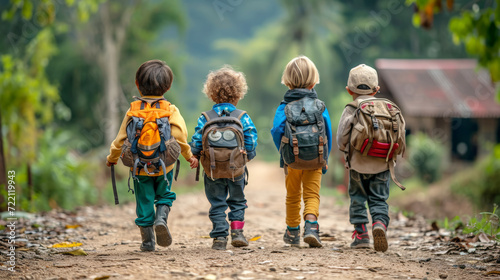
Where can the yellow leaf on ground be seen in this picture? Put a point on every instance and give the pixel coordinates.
(205, 236)
(102, 277)
(78, 252)
(66, 245)
(255, 238)
(72, 226)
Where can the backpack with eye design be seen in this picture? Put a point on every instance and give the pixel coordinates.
(223, 154)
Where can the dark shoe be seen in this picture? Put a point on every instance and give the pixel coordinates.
(163, 236)
(237, 237)
(219, 243)
(361, 240)
(379, 237)
(292, 237)
(311, 234)
(148, 239)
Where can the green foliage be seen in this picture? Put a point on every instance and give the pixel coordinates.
(45, 10)
(480, 183)
(453, 224)
(426, 157)
(28, 100)
(488, 224)
(476, 27)
(479, 30)
(61, 177)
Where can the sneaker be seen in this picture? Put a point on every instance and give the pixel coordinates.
(219, 243)
(292, 237)
(361, 240)
(379, 237)
(311, 234)
(237, 237)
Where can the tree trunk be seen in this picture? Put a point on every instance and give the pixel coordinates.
(3, 170)
(30, 187)
(112, 89)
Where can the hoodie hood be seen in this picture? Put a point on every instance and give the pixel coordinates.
(298, 93)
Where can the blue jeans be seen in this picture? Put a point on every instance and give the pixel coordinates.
(217, 193)
(371, 188)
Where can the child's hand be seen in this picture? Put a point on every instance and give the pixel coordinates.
(193, 162)
(110, 163)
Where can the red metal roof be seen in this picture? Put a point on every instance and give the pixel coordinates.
(439, 87)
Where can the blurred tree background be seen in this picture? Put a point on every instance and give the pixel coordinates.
(68, 66)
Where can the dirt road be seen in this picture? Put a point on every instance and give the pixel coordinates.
(111, 240)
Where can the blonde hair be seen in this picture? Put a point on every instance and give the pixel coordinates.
(225, 85)
(300, 72)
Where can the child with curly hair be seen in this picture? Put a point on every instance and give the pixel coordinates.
(224, 140)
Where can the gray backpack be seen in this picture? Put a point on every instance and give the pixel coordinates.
(304, 145)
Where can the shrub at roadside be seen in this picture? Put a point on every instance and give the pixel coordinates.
(425, 157)
(481, 182)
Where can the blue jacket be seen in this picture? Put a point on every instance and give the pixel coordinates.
(279, 118)
(249, 131)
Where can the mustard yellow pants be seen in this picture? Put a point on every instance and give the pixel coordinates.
(301, 184)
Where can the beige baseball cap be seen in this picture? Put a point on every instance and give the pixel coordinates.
(362, 79)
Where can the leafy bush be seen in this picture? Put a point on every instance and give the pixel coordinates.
(488, 224)
(60, 178)
(480, 183)
(426, 156)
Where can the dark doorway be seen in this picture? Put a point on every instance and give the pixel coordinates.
(464, 138)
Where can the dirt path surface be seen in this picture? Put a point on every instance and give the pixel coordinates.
(111, 241)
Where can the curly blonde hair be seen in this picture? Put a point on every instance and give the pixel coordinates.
(225, 85)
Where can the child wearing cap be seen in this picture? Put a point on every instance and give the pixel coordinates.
(368, 175)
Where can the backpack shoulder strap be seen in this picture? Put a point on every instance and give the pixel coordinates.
(354, 104)
(210, 115)
(237, 113)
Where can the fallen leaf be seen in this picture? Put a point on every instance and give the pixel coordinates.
(66, 245)
(255, 238)
(22, 249)
(205, 236)
(72, 226)
(102, 277)
(492, 272)
(435, 226)
(79, 252)
(483, 237)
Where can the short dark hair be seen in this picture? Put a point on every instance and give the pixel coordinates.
(154, 77)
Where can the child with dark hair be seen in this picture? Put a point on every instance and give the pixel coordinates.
(153, 79)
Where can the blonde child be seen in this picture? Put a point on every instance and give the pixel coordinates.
(303, 166)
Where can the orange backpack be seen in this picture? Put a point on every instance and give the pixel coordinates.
(149, 144)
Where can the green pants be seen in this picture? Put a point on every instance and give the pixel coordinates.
(151, 191)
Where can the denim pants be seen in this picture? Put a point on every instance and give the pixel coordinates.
(371, 188)
(151, 191)
(217, 192)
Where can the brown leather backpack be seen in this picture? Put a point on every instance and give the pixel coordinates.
(223, 154)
